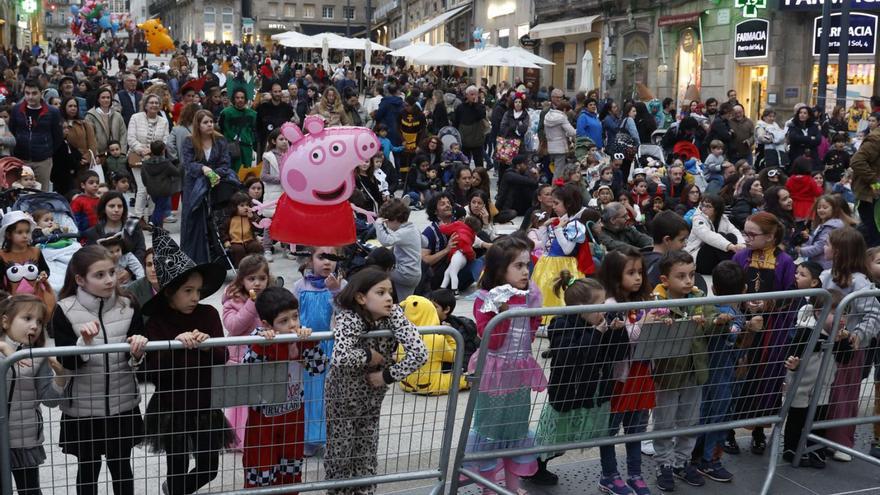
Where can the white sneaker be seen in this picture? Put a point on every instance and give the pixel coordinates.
(289, 255)
(268, 256)
(841, 456)
(648, 448)
(170, 218)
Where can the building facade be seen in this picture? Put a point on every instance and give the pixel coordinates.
(401, 22)
(345, 17)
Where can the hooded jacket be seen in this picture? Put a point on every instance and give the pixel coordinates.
(804, 192)
(390, 109)
(704, 232)
(814, 248)
(28, 388)
(588, 125)
(557, 130)
(866, 166)
(35, 141)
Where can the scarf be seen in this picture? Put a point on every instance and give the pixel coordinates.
(763, 260)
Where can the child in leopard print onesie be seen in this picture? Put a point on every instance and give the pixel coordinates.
(354, 400)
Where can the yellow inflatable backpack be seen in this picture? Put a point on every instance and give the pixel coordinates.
(430, 379)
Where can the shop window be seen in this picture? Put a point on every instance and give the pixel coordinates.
(327, 12)
(690, 60)
(859, 83)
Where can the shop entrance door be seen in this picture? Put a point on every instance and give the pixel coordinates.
(751, 88)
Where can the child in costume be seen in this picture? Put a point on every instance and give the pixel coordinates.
(24, 320)
(510, 372)
(567, 245)
(238, 234)
(180, 421)
(583, 351)
(623, 274)
(85, 204)
(273, 444)
(463, 251)
(315, 291)
(101, 416)
(22, 266)
(240, 318)
(435, 377)
(361, 371)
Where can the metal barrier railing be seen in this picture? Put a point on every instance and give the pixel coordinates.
(413, 440)
(719, 378)
(841, 401)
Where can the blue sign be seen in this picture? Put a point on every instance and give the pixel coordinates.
(862, 34)
(817, 4)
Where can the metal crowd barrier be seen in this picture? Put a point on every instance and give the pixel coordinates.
(850, 396)
(413, 440)
(508, 419)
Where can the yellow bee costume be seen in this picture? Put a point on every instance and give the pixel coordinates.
(430, 379)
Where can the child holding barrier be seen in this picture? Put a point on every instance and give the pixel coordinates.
(583, 351)
(33, 382)
(361, 371)
(622, 273)
(273, 444)
(679, 379)
(510, 372)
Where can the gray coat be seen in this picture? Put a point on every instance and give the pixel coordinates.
(29, 387)
(406, 242)
(174, 141)
(116, 131)
(101, 384)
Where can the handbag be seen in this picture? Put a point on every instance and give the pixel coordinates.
(506, 149)
(134, 159)
(234, 149)
(96, 167)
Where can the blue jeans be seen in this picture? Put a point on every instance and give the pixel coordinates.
(161, 210)
(633, 422)
(715, 408)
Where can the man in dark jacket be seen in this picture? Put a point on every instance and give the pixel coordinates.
(271, 115)
(517, 187)
(389, 112)
(37, 130)
(468, 119)
(865, 164)
(129, 98)
(720, 129)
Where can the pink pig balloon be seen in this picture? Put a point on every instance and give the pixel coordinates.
(317, 168)
(317, 175)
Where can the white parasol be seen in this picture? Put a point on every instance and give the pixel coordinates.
(442, 54)
(587, 71)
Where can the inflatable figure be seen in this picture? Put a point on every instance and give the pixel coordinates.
(157, 37)
(430, 379)
(317, 178)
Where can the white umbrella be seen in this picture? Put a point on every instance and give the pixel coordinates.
(442, 54)
(368, 53)
(338, 42)
(294, 39)
(527, 55)
(587, 71)
(413, 50)
(325, 54)
(497, 57)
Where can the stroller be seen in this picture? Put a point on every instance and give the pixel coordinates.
(56, 257)
(448, 136)
(216, 202)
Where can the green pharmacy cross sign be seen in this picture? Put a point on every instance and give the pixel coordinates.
(750, 7)
(29, 6)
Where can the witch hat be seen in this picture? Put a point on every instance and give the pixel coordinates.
(173, 265)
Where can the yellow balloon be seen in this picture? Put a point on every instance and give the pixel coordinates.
(156, 35)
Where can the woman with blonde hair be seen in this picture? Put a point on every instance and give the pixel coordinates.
(146, 126)
(204, 160)
(330, 107)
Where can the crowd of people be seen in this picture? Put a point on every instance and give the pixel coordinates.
(621, 202)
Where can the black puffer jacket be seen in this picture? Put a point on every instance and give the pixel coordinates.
(582, 363)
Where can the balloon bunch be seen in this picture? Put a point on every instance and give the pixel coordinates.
(477, 38)
(90, 20)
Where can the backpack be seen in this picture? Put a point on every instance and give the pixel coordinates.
(468, 330)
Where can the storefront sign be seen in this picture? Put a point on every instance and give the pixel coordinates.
(527, 42)
(678, 19)
(817, 4)
(751, 39)
(862, 34)
(791, 92)
(750, 7)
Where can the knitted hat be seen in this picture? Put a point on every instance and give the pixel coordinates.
(27, 172)
(173, 265)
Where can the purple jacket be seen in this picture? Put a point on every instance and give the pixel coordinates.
(785, 268)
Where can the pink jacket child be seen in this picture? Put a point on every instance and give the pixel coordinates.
(317, 178)
(240, 319)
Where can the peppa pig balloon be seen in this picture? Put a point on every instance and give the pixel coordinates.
(317, 175)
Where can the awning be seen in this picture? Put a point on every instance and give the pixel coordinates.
(356, 30)
(408, 37)
(673, 20)
(558, 29)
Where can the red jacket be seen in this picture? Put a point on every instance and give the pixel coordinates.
(804, 191)
(466, 238)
